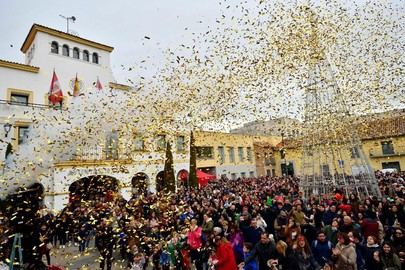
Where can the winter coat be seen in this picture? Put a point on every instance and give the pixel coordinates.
(252, 265)
(263, 252)
(251, 234)
(194, 238)
(331, 234)
(278, 227)
(207, 226)
(322, 251)
(301, 261)
(328, 217)
(237, 246)
(298, 217)
(346, 260)
(370, 227)
(391, 262)
(164, 258)
(225, 257)
(360, 261)
(369, 254)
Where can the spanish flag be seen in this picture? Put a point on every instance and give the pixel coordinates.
(55, 91)
(98, 85)
(76, 87)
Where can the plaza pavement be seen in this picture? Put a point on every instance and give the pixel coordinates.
(69, 258)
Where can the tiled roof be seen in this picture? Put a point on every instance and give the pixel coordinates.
(19, 66)
(382, 127)
(37, 27)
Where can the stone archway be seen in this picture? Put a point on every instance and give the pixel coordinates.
(140, 183)
(160, 181)
(93, 187)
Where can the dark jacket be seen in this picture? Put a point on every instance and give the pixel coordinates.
(368, 256)
(391, 261)
(301, 261)
(105, 240)
(328, 217)
(250, 234)
(322, 251)
(263, 253)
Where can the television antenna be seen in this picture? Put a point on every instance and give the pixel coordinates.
(72, 18)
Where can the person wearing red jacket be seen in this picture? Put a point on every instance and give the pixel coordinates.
(370, 226)
(195, 243)
(223, 259)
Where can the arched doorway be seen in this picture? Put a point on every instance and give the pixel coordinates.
(182, 178)
(140, 183)
(160, 181)
(94, 187)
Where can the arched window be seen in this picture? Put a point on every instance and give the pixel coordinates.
(76, 53)
(95, 58)
(54, 47)
(86, 55)
(65, 50)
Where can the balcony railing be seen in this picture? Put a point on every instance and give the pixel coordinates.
(23, 109)
(95, 153)
(27, 104)
(378, 152)
(270, 161)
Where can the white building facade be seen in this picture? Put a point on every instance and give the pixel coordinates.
(25, 89)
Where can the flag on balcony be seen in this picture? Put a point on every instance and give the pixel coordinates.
(55, 91)
(98, 85)
(76, 87)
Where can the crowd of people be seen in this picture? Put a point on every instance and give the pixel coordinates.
(255, 223)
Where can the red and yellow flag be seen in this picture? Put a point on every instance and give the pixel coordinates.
(98, 85)
(55, 91)
(76, 87)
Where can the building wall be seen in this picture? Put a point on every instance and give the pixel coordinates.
(226, 140)
(371, 148)
(66, 67)
(373, 151)
(57, 190)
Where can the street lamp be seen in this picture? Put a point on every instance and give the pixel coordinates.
(282, 155)
(7, 128)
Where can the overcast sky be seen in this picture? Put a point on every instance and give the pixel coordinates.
(122, 24)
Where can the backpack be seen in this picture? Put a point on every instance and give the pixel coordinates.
(316, 244)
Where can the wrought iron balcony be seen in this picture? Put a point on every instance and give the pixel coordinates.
(24, 106)
(270, 161)
(377, 153)
(95, 155)
(90, 153)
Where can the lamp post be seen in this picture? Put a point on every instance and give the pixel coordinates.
(282, 155)
(7, 128)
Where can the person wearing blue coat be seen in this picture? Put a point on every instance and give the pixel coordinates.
(322, 249)
(247, 250)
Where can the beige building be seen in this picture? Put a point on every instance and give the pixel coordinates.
(283, 126)
(383, 143)
(225, 154)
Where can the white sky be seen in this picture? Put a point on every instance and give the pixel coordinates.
(122, 24)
